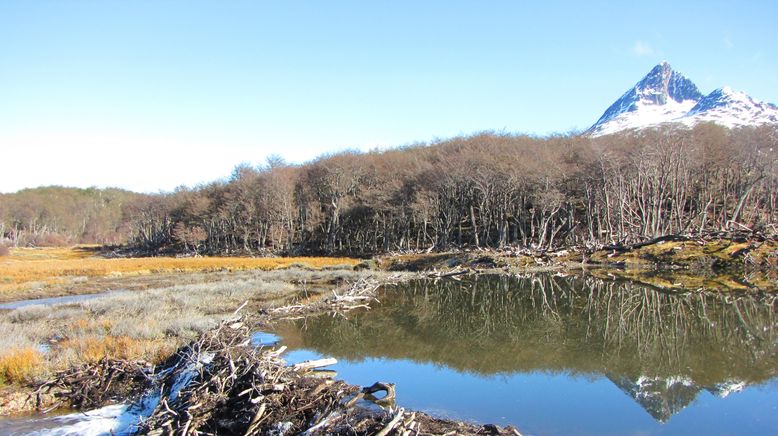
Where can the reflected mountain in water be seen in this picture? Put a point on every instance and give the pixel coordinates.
(722, 390)
(660, 397)
(661, 349)
(664, 397)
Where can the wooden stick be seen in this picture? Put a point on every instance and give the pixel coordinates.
(241, 307)
(313, 364)
(392, 424)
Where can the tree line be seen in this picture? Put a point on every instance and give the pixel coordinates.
(55, 215)
(485, 190)
(490, 190)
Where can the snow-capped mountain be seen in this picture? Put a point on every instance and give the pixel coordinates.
(667, 96)
(732, 109)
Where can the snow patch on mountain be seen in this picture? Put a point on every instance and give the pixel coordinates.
(732, 109)
(644, 115)
(724, 389)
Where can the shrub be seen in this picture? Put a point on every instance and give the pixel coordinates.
(50, 240)
(29, 313)
(19, 365)
(4, 250)
(92, 348)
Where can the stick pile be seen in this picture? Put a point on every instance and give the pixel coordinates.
(358, 295)
(244, 390)
(93, 385)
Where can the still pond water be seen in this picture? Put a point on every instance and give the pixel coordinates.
(561, 355)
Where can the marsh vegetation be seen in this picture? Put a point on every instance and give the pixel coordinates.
(146, 323)
(44, 272)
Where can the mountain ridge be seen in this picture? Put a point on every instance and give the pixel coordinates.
(666, 96)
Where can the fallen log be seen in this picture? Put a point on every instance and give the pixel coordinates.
(309, 365)
(446, 274)
(666, 238)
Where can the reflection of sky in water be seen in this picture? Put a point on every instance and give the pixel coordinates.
(546, 403)
(263, 339)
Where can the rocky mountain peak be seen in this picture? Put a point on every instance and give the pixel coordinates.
(662, 83)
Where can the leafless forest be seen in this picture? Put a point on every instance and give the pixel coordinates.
(484, 190)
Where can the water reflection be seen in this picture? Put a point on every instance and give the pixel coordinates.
(660, 349)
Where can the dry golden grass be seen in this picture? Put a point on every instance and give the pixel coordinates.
(53, 253)
(92, 348)
(83, 325)
(27, 268)
(152, 322)
(19, 365)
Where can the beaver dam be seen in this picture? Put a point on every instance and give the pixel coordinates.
(549, 354)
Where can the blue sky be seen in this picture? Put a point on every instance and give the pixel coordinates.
(148, 95)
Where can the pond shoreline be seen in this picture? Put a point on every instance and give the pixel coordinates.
(671, 264)
(711, 263)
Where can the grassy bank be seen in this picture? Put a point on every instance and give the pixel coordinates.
(45, 272)
(161, 303)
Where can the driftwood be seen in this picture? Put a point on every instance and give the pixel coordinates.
(358, 295)
(309, 365)
(388, 400)
(624, 248)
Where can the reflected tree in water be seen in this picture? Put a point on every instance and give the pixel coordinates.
(660, 348)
